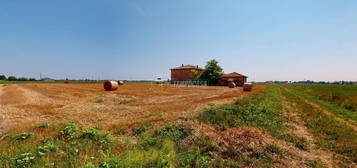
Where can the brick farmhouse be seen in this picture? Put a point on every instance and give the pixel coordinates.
(184, 73)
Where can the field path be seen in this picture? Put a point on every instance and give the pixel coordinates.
(324, 131)
(350, 123)
(300, 130)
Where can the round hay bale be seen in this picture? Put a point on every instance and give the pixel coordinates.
(120, 83)
(248, 87)
(231, 85)
(110, 85)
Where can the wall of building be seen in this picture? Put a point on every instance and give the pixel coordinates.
(239, 81)
(181, 74)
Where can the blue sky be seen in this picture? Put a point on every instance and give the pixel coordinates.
(142, 39)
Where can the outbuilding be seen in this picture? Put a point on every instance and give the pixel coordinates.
(47, 79)
(235, 77)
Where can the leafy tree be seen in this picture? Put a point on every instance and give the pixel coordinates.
(212, 72)
(11, 78)
(2, 77)
(195, 75)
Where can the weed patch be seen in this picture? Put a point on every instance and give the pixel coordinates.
(99, 101)
(262, 110)
(45, 125)
(24, 136)
(298, 142)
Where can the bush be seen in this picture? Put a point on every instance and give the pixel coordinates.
(90, 133)
(24, 136)
(148, 142)
(175, 133)
(70, 130)
(24, 160)
(97, 135)
(47, 148)
(139, 130)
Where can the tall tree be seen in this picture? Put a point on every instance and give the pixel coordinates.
(212, 72)
(195, 75)
(11, 78)
(2, 77)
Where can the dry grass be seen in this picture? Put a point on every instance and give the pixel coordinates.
(133, 103)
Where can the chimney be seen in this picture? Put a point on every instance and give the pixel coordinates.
(197, 66)
(182, 65)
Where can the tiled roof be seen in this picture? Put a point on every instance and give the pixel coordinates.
(233, 74)
(188, 67)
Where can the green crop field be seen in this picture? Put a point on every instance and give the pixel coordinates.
(279, 126)
(341, 99)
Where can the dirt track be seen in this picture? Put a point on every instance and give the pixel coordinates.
(28, 104)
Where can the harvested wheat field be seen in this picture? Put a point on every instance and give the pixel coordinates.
(88, 104)
(162, 125)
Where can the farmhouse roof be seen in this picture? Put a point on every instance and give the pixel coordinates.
(188, 67)
(233, 74)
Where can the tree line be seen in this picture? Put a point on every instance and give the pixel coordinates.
(13, 78)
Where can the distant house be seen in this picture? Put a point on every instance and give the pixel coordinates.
(235, 77)
(184, 72)
(47, 79)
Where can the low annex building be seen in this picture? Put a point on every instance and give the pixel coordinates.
(235, 77)
(183, 72)
(47, 79)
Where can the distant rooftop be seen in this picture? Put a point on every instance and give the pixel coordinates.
(233, 74)
(188, 67)
(47, 79)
